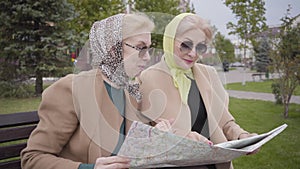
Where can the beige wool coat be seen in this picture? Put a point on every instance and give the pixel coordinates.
(161, 99)
(78, 124)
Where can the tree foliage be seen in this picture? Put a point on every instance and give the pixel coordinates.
(286, 60)
(33, 41)
(262, 55)
(224, 48)
(89, 11)
(161, 12)
(250, 20)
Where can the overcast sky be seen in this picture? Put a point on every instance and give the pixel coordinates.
(218, 14)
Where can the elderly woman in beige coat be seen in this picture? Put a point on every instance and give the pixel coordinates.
(84, 117)
(186, 96)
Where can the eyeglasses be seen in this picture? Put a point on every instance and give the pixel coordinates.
(187, 46)
(142, 50)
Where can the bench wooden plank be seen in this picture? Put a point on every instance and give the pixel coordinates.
(257, 74)
(11, 151)
(16, 133)
(14, 128)
(15, 164)
(16, 119)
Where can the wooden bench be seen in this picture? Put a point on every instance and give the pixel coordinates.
(15, 129)
(257, 74)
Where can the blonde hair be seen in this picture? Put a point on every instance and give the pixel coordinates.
(194, 22)
(135, 24)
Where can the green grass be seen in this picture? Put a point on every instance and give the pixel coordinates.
(283, 151)
(263, 86)
(11, 105)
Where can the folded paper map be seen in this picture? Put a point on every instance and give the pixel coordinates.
(149, 147)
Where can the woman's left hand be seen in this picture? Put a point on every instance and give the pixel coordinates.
(166, 125)
(246, 135)
(198, 137)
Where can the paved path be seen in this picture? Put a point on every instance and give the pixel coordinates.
(258, 96)
(240, 75)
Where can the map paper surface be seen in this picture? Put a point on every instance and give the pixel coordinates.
(149, 147)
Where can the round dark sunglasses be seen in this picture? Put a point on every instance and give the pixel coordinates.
(142, 50)
(187, 46)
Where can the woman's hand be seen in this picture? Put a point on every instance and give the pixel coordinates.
(198, 137)
(112, 162)
(164, 124)
(246, 135)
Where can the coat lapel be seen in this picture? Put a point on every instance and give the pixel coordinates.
(214, 104)
(98, 116)
(111, 119)
(203, 82)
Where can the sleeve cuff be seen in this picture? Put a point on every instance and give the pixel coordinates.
(86, 166)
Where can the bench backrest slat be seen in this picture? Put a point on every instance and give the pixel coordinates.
(16, 133)
(11, 150)
(14, 128)
(11, 164)
(16, 119)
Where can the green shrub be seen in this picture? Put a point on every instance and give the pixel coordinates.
(18, 90)
(276, 91)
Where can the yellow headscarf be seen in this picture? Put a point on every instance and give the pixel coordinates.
(179, 75)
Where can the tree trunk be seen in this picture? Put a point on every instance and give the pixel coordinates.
(244, 62)
(38, 83)
(286, 103)
(286, 110)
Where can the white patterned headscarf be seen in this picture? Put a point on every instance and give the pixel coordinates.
(106, 52)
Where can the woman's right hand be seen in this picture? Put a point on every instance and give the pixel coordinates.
(164, 124)
(112, 162)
